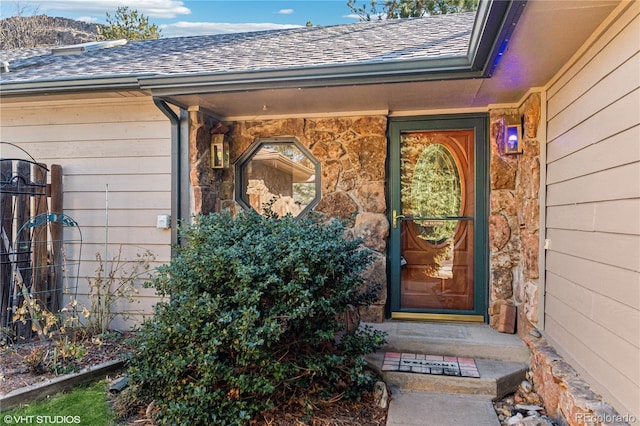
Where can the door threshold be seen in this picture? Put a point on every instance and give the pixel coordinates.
(417, 316)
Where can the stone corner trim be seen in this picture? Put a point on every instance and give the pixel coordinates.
(565, 394)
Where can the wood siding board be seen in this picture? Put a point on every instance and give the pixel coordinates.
(579, 217)
(621, 31)
(618, 284)
(116, 166)
(55, 151)
(622, 320)
(609, 348)
(609, 55)
(618, 117)
(89, 113)
(89, 250)
(119, 183)
(614, 86)
(618, 250)
(615, 387)
(620, 149)
(149, 235)
(614, 184)
(579, 297)
(621, 217)
(119, 217)
(118, 201)
(80, 132)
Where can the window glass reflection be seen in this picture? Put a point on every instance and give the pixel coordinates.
(280, 174)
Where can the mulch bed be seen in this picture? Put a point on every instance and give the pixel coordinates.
(15, 374)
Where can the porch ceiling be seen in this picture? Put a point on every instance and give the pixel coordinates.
(547, 35)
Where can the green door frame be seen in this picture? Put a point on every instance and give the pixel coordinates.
(479, 123)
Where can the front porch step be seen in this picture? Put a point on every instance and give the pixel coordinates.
(497, 378)
(460, 340)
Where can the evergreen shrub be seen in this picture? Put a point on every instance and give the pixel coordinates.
(252, 320)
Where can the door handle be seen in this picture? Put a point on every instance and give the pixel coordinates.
(394, 218)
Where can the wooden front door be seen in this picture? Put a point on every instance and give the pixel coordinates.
(435, 211)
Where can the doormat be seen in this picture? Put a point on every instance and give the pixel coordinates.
(430, 364)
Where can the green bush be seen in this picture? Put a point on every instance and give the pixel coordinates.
(253, 320)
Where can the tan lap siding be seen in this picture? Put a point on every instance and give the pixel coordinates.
(592, 308)
(124, 144)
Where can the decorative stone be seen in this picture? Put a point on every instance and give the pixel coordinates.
(372, 313)
(494, 312)
(501, 284)
(270, 128)
(526, 407)
(506, 259)
(204, 200)
(335, 151)
(372, 125)
(503, 174)
(330, 176)
(369, 154)
(380, 394)
(332, 126)
(515, 419)
(530, 250)
(531, 302)
(337, 204)
(499, 231)
(348, 179)
(372, 197)
(532, 116)
(526, 386)
(319, 150)
(535, 420)
(503, 200)
(373, 228)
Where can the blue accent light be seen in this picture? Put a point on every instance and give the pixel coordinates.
(506, 34)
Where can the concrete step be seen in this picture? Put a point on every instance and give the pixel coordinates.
(410, 408)
(497, 378)
(461, 340)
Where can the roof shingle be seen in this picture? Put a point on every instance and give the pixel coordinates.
(360, 43)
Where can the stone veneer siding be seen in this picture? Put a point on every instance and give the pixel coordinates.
(352, 152)
(514, 215)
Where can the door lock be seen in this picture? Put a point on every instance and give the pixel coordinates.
(394, 218)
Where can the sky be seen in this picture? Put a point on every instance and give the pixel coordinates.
(196, 17)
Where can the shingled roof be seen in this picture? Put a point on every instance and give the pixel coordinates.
(387, 41)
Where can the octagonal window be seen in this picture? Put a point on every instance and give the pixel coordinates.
(280, 172)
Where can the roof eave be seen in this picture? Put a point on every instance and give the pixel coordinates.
(341, 75)
(130, 82)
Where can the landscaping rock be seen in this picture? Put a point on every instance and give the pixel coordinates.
(119, 384)
(381, 394)
(529, 407)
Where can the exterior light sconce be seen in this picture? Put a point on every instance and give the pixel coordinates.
(512, 137)
(219, 152)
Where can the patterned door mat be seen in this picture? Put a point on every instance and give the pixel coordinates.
(430, 364)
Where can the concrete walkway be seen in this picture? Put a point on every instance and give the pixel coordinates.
(440, 409)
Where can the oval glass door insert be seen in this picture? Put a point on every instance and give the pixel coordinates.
(436, 194)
